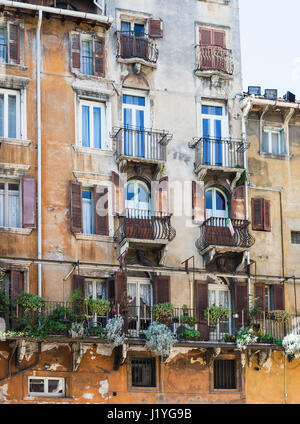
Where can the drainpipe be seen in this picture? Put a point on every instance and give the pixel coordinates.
(100, 6)
(39, 142)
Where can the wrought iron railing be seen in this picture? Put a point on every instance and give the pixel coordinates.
(220, 152)
(216, 232)
(141, 143)
(214, 58)
(132, 46)
(144, 224)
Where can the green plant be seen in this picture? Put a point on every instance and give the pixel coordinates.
(229, 338)
(215, 314)
(99, 306)
(255, 309)
(4, 303)
(279, 316)
(191, 321)
(190, 334)
(242, 180)
(163, 313)
(265, 338)
(78, 303)
(96, 332)
(62, 313)
(244, 337)
(30, 302)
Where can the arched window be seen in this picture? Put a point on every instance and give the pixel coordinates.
(138, 201)
(216, 203)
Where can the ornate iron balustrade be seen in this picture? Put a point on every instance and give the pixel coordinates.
(214, 58)
(143, 224)
(141, 143)
(132, 46)
(216, 232)
(222, 152)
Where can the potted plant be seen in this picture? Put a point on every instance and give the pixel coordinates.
(188, 320)
(159, 339)
(279, 316)
(163, 313)
(190, 334)
(229, 338)
(98, 332)
(214, 314)
(185, 310)
(76, 330)
(99, 306)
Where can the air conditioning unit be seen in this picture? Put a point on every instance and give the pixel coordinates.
(252, 89)
(289, 97)
(271, 94)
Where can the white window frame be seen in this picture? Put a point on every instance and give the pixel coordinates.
(6, 182)
(217, 288)
(138, 282)
(92, 217)
(273, 130)
(7, 93)
(46, 393)
(267, 298)
(91, 104)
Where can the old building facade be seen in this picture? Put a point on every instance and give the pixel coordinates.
(134, 170)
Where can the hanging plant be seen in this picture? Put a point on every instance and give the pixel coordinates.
(114, 331)
(245, 337)
(30, 302)
(291, 345)
(215, 314)
(163, 313)
(159, 339)
(279, 316)
(99, 306)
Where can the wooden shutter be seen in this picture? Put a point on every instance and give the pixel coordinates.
(75, 207)
(78, 283)
(163, 205)
(155, 28)
(219, 38)
(75, 53)
(101, 210)
(241, 304)
(28, 202)
(121, 296)
(17, 283)
(257, 212)
(198, 201)
(162, 289)
(13, 43)
(238, 204)
(118, 194)
(111, 289)
(267, 215)
(278, 297)
(259, 291)
(98, 56)
(201, 304)
(206, 37)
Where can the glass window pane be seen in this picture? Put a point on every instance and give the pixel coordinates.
(275, 143)
(208, 199)
(145, 294)
(266, 142)
(87, 212)
(13, 208)
(130, 192)
(1, 115)
(2, 206)
(97, 127)
(85, 126)
(55, 386)
(131, 291)
(220, 202)
(87, 57)
(125, 26)
(224, 298)
(212, 110)
(36, 386)
(3, 45)
(139, 30)
(12, 117)
(100, 289)
(133, 100)
(211, 297)
(142, 194)
(88, 289)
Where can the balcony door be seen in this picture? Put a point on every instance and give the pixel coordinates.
(134, 120)
(219, 295)
(216, 204)
(140, 292)
(215, 150)
(133, 40)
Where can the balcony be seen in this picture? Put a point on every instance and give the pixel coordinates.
(213, 59)
(136, 49)
(144, 146)
(145, 229)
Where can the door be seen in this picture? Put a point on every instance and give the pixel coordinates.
(217, 230)
(215, 150)
(134, 108)
(141, 298)
(219, 295)
(96, 289)
(138, 222)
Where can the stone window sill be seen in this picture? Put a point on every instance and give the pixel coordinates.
(92, 150)
(20, 231)
(272, 156)
(15, 141)
(137, 60)
(94, 237)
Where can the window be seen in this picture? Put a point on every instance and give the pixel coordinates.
(87, 54)
(273, 142)
(44, 386)
(88, 211)
(219, 295)
(295, 237)
(140, 293)
(95, 289)
(143, 372)
(92, 124)
(10, 207)
(137, 200)
(261, 214)
(216, 205)
(9, 43)
(267, 299)
(225, 374)
(9, 114)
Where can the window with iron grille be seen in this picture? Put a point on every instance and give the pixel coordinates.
(295, 236)
(225, 374)
(143, 372)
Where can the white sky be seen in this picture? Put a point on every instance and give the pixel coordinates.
(270, 42)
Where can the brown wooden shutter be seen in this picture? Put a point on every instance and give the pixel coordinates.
(162, 289)
(257, 212)
(278, 297)
(238, 204)
(267, 215)
(78, 283)
(260, 293)
(111, 289)
(198, 201)
(241, 304)
(121, 296)
(219, 38)
(75, 53)
(17, 283)
(75, 207)
(101, 210)
(164, 195)
(13, 43)
(206, 37)
(118, 194)
(28, 202)
(201, 304)
(155, 28)
(98, 56)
